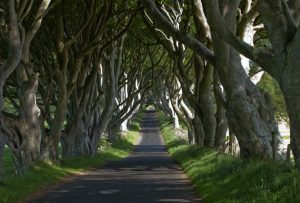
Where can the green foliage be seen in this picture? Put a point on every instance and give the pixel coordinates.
(104, 142)
(42, 175)
(218, 177)
(134, 124)
(269, 85)
(9, 108)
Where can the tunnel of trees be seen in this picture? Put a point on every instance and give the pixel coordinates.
(72, 71)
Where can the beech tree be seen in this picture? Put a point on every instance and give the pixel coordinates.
(79, 66)
(73, 71)
(23, 131)
(281, 22)
(132, 86)
(249, 111)
(9, 27)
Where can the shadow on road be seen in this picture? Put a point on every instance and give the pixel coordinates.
(148, 175)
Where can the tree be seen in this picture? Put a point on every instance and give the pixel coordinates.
(23, 132)
(249, 110)
(281, 62)
(12, 60)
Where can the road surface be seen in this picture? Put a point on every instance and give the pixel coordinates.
(147, 175)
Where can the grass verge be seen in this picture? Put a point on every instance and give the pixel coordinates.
(42, 175)
(218, 177)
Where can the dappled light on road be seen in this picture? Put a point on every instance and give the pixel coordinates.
(148, 175)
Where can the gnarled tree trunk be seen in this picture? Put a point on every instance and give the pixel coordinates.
(222, 124)
(249, 110)
(206, 99)
(289, 82)
(25, 133)
(284, 34)
(13, 59)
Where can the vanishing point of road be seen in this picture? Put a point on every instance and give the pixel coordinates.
(147, 175)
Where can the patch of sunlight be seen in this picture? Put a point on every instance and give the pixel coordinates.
(108, 192)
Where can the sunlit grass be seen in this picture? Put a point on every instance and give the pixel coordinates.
(218, 177)
(286, 137)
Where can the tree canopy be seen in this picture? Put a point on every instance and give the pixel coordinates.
(74, 71)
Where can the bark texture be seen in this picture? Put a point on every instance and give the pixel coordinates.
(284, 64)
(249, 111)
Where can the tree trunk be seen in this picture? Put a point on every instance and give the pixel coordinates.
(29, 112)
(6, 69)
(290, 85)
(25, 133)
(174, 115)
(194, 99)
(58, 120)
(68, 145)
(208, 106)
(198, 131)
(249, 111)
(3, 141)
(123, 97)
(231, 143)
(123, 127)
(29, 122)
(74, 141)
(111, 76)
(46, 144)
(283, 65)
(189, 122)
(222, 125)
(80, 139)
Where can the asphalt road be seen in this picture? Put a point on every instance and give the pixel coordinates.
(148, 175)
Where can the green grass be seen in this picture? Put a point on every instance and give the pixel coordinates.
(7, 163)
(218, 177)
(134, 124)
(286, 137)
(41, 175)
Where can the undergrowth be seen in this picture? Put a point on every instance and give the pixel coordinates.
(219, 177)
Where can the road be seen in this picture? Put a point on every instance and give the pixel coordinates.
(147, 175)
